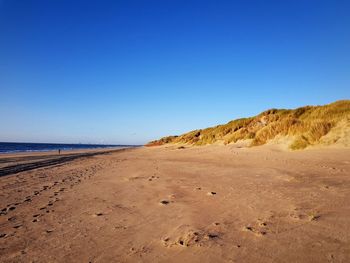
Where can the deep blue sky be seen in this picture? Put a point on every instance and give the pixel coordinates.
(132, 71)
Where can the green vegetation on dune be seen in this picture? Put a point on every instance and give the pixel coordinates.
(305, 126)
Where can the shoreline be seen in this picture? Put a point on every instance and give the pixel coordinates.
(13, 163)
(46, 151)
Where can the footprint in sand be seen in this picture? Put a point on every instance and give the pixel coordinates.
(7, 209)
(314, 217)
(3, 211)
(311, 216)
(11, 208)
(190, 238)
(254, 231)
(36, 218)
(11, 219)
(153, 177)
(98, 214)
(28, 199)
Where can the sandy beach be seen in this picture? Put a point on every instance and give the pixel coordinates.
(165, 204)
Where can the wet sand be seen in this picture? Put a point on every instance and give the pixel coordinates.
(164, 204)
(15, 163)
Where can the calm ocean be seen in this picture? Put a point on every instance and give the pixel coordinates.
(12, 147)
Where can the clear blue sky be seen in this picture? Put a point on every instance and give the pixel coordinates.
(131, 71)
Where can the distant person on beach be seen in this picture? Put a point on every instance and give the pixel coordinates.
(59, 151)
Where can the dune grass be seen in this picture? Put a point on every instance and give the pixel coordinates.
(305, 125)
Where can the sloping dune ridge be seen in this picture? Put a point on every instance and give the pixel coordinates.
(298, 128)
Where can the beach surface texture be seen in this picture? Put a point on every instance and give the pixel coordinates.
(178, 204)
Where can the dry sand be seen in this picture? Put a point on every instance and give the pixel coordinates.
(164, 204)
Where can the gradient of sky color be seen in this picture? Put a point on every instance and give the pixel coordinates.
(130, 71)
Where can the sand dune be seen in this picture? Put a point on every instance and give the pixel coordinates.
(197, 204)
(299, 128)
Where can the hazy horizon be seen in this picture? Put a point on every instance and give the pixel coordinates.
(129, 72)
